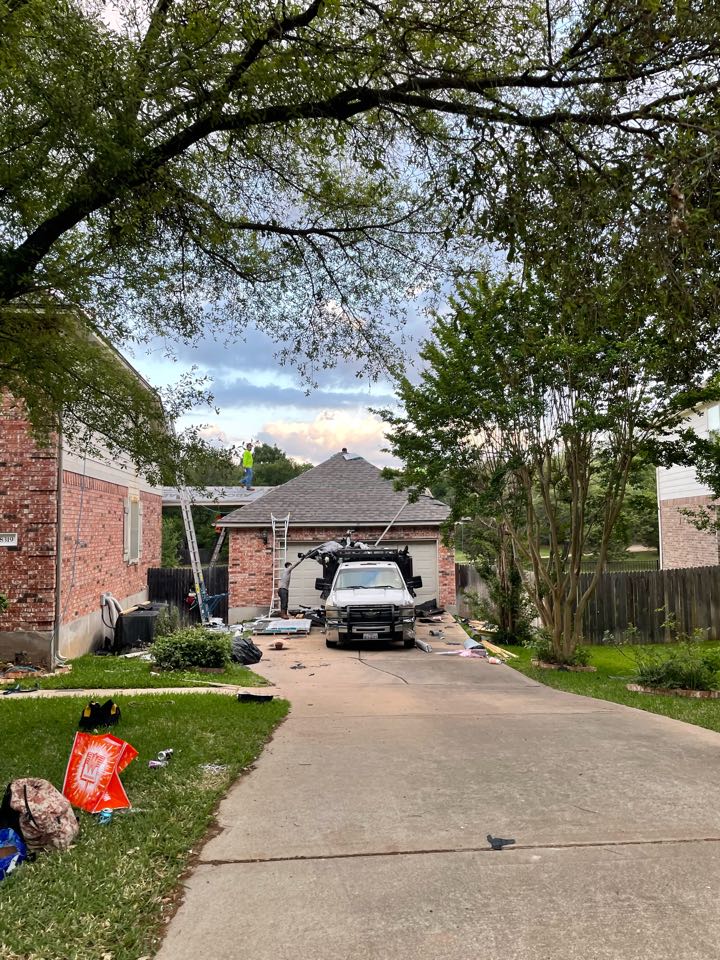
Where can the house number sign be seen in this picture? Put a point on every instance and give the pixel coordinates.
(8, 539)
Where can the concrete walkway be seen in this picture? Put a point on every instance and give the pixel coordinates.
(361, 832)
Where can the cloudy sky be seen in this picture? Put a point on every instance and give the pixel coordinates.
(260, 400)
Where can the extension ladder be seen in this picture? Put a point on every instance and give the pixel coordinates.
(200, 589)
(218, 546)
(279, 556)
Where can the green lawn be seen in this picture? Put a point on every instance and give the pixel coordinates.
(91, 672)
(106, 897)
(615, 668)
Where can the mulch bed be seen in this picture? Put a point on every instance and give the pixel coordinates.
(675, 692)
(542, 665)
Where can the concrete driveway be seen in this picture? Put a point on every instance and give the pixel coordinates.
(362, 831)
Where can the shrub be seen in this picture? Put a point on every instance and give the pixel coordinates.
(167, 621)
(685, 667)
(4, 602)
(542, 646)
(192, 647)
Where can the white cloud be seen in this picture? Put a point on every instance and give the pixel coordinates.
(214, 434)
(317, 439)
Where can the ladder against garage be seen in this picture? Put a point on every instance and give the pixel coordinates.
(279, 556)
(201, 593)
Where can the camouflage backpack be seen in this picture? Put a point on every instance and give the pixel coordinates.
(45, 817)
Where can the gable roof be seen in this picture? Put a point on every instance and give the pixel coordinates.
(345, 490)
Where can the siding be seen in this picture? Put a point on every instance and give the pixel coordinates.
(675, 483)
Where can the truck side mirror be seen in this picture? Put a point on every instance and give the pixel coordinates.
(323, 585)
(415, 583)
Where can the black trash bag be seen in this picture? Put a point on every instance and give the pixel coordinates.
(245, 651)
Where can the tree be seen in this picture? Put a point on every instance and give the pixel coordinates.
(507, 607)
(272, 466)
(172, 538)
(221, 467)
(637, 522)
(296, 166)
(541, 400)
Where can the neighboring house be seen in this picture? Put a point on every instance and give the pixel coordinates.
(681, 543)
(345, 492)
(75, 528)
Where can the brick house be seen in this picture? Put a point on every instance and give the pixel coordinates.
(681, 543)
(344, 492)
(71, 529)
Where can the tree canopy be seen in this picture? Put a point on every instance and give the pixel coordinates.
(221, 466)
(306, 167)
(539, 403)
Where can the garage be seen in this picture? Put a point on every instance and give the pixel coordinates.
(344, 493)
(302, 584)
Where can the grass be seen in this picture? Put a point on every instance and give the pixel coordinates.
(106, 897)
(97, 673)
(615, 668)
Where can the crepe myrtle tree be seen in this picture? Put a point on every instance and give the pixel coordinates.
(173, 166)
(539, 409)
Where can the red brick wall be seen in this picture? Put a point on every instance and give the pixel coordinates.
(250, 563)
(447, 588)
(28, 507)
(96, 564)
(683, 545)
(249, 569)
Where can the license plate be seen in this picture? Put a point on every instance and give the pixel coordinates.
(372, 635)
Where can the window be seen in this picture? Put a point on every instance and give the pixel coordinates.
(369, 578)
(133, 529)
(713, 419)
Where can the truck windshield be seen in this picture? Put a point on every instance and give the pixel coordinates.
(369, 578)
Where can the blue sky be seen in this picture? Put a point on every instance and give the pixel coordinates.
(260, 400)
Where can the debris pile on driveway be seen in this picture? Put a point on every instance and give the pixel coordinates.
(265, 626)
(480, 630)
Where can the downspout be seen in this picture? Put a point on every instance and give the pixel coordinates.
(55, 644)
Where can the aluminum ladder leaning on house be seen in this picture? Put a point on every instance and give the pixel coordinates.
(200, 589)
(218, 547)
(279, 556)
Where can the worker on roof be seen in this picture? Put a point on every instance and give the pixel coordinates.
(247, 463)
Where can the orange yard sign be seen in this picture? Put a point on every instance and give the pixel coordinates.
(91, 779)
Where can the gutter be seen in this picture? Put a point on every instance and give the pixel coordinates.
(340, 524)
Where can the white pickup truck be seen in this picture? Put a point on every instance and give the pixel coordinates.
(369, 600)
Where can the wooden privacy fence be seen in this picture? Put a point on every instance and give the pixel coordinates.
(645, 599)
(467, 579)
(172, 585)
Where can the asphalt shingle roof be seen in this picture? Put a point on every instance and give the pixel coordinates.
(345, 489)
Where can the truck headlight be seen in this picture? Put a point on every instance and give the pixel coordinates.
(407, 613)
(332, 613)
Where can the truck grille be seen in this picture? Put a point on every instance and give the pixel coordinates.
(375, 614)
